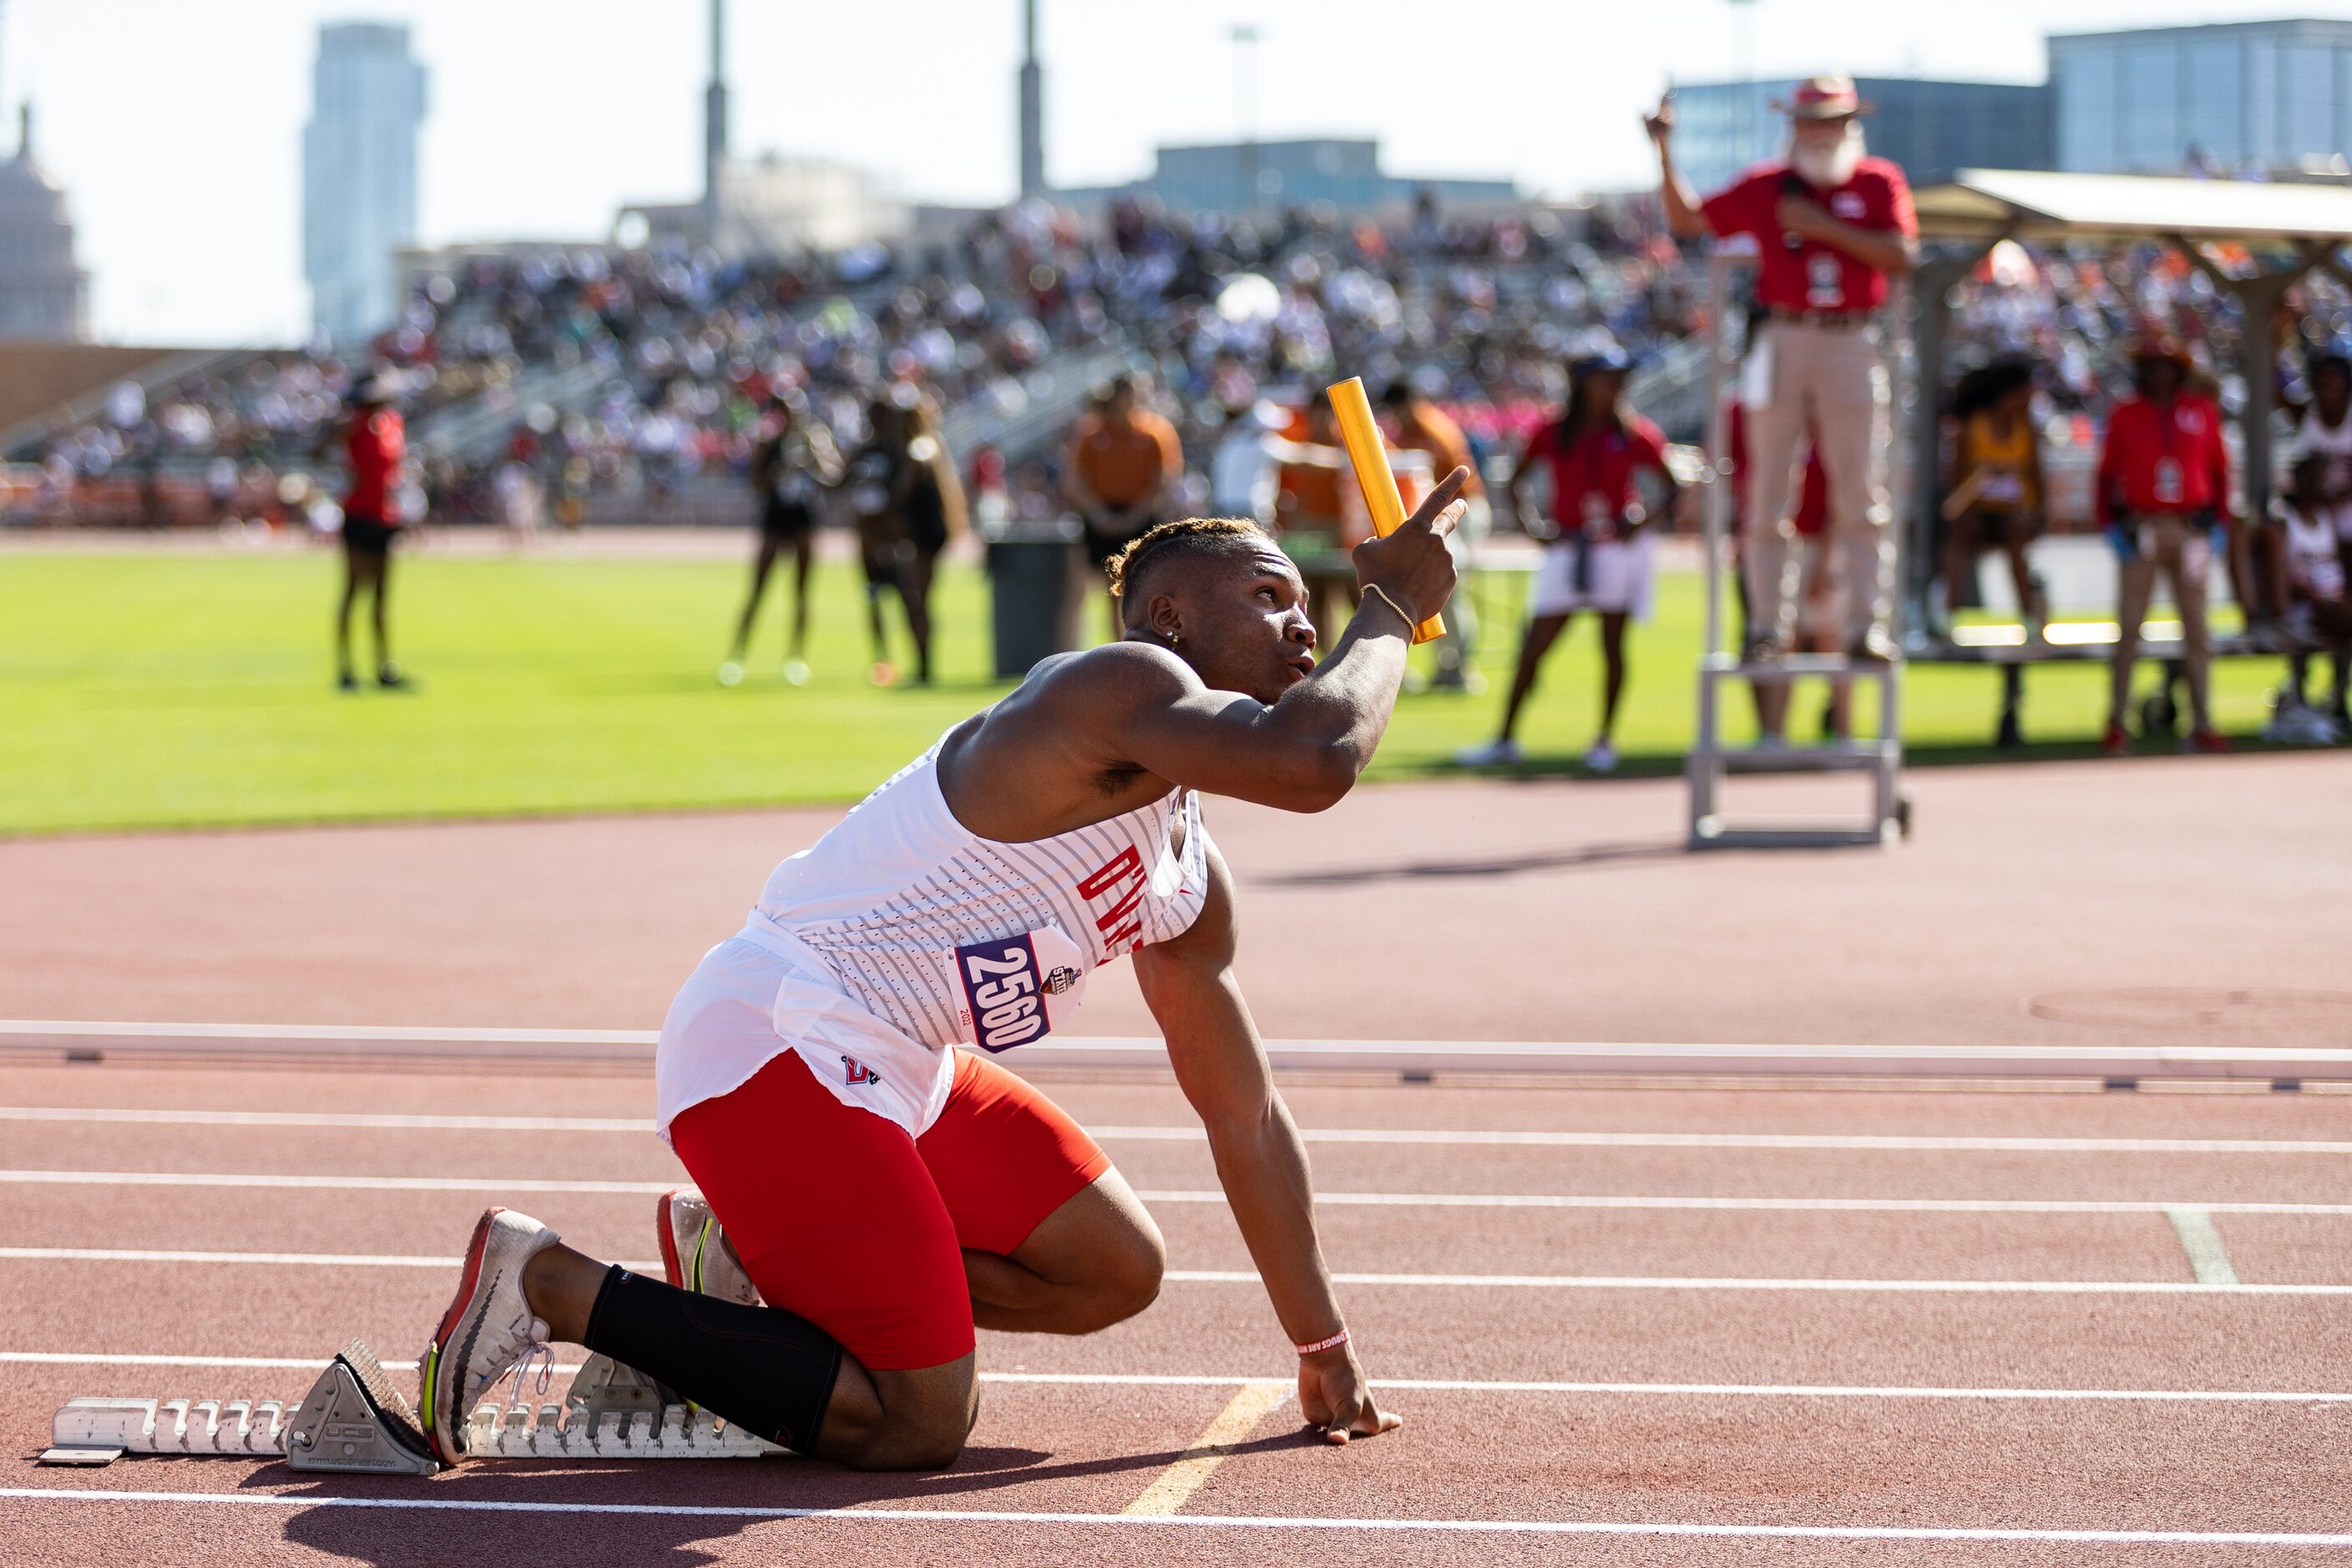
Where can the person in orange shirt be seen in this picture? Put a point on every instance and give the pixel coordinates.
(1423, 426)
(1122, 464)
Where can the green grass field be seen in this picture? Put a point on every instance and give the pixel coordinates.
(173, 690)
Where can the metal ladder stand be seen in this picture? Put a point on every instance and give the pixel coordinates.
(1718, 670)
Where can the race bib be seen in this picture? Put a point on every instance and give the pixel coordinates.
(1016, 988)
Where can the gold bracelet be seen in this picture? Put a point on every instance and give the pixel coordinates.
(1411, 625)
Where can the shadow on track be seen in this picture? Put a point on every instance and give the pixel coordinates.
(402, 1537)
(1576, 856)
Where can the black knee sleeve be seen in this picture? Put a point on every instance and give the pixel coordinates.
(761, 1368)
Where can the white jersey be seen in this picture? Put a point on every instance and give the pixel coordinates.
(901, 934)
(2333, 442)
(2315, 568)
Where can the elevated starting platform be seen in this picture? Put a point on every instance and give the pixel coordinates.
(354, 1422)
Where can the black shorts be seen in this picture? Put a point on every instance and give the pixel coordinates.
(1996, 530)
(366, 536)
(1101, 545)
(787, 523)
(927, 522)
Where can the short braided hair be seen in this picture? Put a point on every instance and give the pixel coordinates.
(1183, 536)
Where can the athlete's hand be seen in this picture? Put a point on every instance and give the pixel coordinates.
(1335, 1396)
(1412, 565)
(1660, 125)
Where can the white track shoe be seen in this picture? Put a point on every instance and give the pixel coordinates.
(486, 1333)
(695, 1252)
(1490, 754)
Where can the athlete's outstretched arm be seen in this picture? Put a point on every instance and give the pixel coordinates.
(1221, 1066)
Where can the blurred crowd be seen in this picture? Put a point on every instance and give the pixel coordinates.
(533, 384)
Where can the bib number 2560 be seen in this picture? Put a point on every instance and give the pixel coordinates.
(1000, 991)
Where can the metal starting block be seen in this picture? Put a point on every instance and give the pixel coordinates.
(354, 1421)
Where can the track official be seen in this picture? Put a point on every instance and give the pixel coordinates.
(1832, 225)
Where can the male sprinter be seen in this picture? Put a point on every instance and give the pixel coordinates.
(883, 1192)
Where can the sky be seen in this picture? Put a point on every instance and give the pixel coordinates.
(175, 128)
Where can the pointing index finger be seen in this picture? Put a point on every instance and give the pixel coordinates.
(1442, 496)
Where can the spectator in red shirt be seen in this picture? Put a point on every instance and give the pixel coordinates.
(1832, 225)
(375, 444)
(1598, 553)
(2162, 494)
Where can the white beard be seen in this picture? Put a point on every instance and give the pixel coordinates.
(1827, 168)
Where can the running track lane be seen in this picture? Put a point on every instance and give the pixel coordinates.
(1672, 1460)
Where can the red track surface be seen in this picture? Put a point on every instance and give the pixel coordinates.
(1516, 1456)
(2037, 907)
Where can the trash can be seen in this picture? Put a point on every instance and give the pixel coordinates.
(1037, 577)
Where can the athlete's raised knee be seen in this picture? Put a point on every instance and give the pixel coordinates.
(1125, 1278)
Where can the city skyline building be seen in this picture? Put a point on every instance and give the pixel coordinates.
(43, 293)
(359, 174)
(1933, 128)
(2270, 98)
(1251, 176)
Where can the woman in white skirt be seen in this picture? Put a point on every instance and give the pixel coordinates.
(1596, 554)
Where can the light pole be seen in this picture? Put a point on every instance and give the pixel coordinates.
(1033, 106)
(1244, 38)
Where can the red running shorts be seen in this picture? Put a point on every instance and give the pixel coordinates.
(840, 1217)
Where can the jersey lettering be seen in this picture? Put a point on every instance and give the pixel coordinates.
(1125, 864)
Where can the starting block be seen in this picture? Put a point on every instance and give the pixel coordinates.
(354, 1421)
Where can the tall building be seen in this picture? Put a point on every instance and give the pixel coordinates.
(2273, 97)
(359, 174)
(43, 294)
(1242, 176)
(1931, 128)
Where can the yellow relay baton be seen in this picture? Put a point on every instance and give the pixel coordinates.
(1369, 455)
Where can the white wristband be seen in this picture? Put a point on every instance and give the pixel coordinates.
(1341, 1337)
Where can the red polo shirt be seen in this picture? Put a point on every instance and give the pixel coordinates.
(1601, 463)
(376, 446)
(1814, 275)
(2163, 458)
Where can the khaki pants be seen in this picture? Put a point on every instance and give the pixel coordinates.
(2183, 551)
(1830, 384)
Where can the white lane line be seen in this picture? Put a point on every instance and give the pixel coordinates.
(1397, 1136)
(1414, 1384)
(1245, 1277)
(2208, 1258)
(521, 1184)
(352, 1119)
(1174, 1487)
(1211, 1521)
(272, 1259)
(333, 1184)
(1682, 1282)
